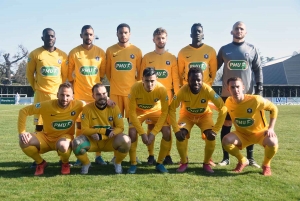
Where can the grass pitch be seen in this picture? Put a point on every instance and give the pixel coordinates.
(17, 180)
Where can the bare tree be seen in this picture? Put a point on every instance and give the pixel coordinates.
(20, 76)
(6, 67)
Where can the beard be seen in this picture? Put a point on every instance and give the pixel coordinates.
(161, 46)
(101, 103)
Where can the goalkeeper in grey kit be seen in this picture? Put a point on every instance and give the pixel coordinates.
(240, 59)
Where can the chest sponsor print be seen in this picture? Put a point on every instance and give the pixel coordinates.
(162, 73)
(62, 125)
(195, 110)
(123, 65)
(88, 70)
(145, 107)
(244, 122)
(49, 71)
(237, 65)
(199, 64)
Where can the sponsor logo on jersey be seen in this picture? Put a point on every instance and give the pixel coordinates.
(187, 57)
(142, 106)
(97, 58)
(59, 61)
(28, 60)
(156, 99)
(237, 65)
(120, 116)
(199, 64)
(88, 70)
(73, 113)
(110, 118)
(52, 115)
(62, 125)
(244, 122)
(195, 110)
(123, 65)
(168, 62)
(94, 118)
(132, 56)
(162, 73)
(206, 56)
(150, 62)
(49, 71)
(249, 110)
(203, 100)
(38, 105)
(102, 126)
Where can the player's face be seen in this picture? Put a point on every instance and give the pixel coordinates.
(149, 82)
(49, 38)
(197, 34)
(100, 96)
(160, 40)
(239, 31)
(123, 34)
(87, 36)
(64, 97)
(195, 82)
(236, 89)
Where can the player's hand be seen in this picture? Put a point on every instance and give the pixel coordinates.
(210, 134)
(111, 134)
(111, 103)
(25, 137)
(95, 137)
(259, 89)
(270, 133)
(180, 135)
(145, 138)
(151, 138)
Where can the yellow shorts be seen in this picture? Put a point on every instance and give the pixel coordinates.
(122, 102)
(204, 122)
(49, 143)
(247, 140)
(150, 118)
(101, 145)
(40, 96)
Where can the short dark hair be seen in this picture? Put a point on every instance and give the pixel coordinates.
(65, 85)
(85, 27)
(123, 25)
(194, 70)
(159, 31)
(98, 85)
(149, 72)
(234, 79)
(46, 30)
(196, 25)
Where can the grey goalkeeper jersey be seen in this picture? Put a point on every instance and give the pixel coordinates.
(240, 60)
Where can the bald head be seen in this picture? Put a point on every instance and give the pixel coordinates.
(238, 23)
(239, 31)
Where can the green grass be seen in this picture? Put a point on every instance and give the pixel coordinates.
(17, 180)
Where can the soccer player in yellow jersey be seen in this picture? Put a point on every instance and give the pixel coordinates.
(198, 55)
(102, 129)
(248, 116)
(194, 98)
(165, 65)
(148, 100)
(59, 128)
(46, 70)
(87, 64)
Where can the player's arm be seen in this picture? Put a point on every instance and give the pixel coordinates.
(220, 60)
(132, 114)
(118, 121)
(172, 111)
(213, 67)
(30, 70)
(102, 65)
(139, 69)
(164, 101)
(108, 64)
(257, 70)
(64, 68)
(25, 112)
(175, 76)
(71, 67)
(222, 109)
(180, 64)
(269, 106)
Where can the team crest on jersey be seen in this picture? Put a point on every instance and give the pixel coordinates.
(156, 99)
(174, 97)
(28, 60)
(206, 56)
(59, 61)
(73, 113)
(203, 100)
(167, 98)
(246, 55)
(38, 105)
(216, 96)
(249, 110)
(97, 58)
(120, 116)
(82, 116)
(110, 118)
(132, 56)
(168, 62)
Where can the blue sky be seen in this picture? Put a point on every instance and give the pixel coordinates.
(273, 26)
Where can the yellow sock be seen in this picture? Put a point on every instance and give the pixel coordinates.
(235, 151)
(182, 150)
(209, 150)
(78, 132)
(132, 153)
(164, 148)
(83, 159)
(269, 154)
(120, 157)
(65, 156)
(33, 153)
(151, 146)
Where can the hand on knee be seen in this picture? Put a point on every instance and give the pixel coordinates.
(210, 134)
